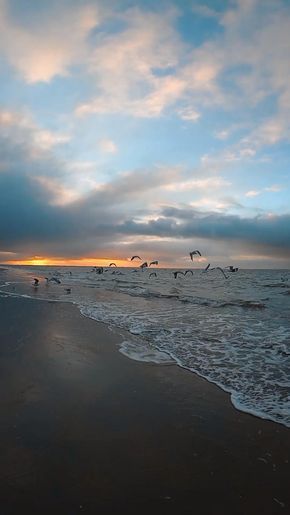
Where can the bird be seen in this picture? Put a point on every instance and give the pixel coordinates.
(206, 268)
(55, 280)
(193, 252)
(135, 257)
(153, 274)
(221, 270)
(144, 265)
(231, 268)
(176, 273)
(99, 270)
(112, 264)
(36, 282)
(188, 272)
(153, 263)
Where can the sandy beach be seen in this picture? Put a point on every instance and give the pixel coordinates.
(84, 429)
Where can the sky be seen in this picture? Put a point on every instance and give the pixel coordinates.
(143, 127)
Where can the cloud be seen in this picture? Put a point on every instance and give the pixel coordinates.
(107, 146)
(274, 188)
(252, 193)
(48, 47)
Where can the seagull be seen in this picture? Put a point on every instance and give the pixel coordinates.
(54, 279)
(144, 265)
(193, 253)
(176, 273)
(112, 264)
(135, 257)
(153, 274)
(221, 270)
(36, 281)
(188, 272)
(232, 268)
(153, 263)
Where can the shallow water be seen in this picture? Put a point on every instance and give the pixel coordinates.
(234, 332)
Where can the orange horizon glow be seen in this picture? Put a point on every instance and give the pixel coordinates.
(43, 261)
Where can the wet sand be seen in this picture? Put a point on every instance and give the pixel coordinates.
(86, 430)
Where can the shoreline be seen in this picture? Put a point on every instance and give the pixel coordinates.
(83, 425)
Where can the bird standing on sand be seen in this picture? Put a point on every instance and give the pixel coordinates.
(193, 252)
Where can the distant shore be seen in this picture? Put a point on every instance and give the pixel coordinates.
(86, 430)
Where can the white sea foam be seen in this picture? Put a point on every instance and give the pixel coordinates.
(144, 352)
(227, 331)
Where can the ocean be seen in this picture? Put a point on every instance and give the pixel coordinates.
(234, 332)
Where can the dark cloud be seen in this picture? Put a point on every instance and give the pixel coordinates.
(32, 222)
(272, 231)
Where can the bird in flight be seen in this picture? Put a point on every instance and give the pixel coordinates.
(144, 265)
(231, 268)
(221, 270)
(112, 264)
(188, 272)
(153, 274)
(153, 263)
(206, 268)
(53, 280)
(135, 257)
(176, 273)
(193, 252)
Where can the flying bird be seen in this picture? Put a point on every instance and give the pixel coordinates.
(54, 280)
(221, 270)
(188, 272)
(153, 263)
(206, 268)
(231, 268)
(193, 253)
(153, 274)
(135, 257)
(176, 273)
(144, 265)
(112, 264)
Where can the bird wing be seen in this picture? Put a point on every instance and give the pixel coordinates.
(221, 270)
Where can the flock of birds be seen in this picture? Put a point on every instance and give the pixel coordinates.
(100, 270)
